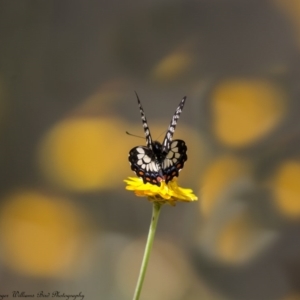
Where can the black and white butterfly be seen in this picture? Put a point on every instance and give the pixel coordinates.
(158, 162)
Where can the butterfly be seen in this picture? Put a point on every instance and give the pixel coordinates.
(158, 162)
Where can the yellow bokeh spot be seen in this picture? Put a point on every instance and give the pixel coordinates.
(218, 176)
(246, 110)
(235, 239)
(39, 234)
(172, 66)
(292, 9)
(84, 154)
(286, 187)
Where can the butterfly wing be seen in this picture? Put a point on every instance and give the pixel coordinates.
(165, 165)
(169, 135)
(143, 163)
(175, 159)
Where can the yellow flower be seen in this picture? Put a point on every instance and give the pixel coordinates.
(165, 193)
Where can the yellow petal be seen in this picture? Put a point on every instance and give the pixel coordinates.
(167, 192)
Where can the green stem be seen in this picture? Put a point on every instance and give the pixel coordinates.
(150, 239)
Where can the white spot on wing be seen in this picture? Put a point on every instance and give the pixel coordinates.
(146, 159)
(153, 166)
(170, 154)
(167, 163)
(140, 150)
(140, 162)
(140, 155)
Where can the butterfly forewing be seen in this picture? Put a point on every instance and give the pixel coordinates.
(145, 124)
(169, 135)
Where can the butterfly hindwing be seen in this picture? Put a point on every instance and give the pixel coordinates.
(143, 163)
(175, 159)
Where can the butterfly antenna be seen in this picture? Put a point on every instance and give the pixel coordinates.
(169, 135)
(134, 135)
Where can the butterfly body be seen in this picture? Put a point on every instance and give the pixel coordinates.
(158, 162)
(157, 150)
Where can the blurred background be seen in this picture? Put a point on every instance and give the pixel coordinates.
(68, 72)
